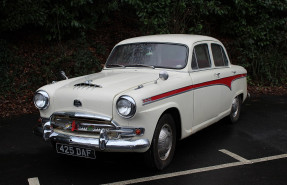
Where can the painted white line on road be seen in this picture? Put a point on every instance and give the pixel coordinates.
(198, 170)
(34, 181)
(235, 156)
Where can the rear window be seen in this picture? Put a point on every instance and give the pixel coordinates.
(219, 56)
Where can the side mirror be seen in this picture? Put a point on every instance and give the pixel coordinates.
(163, 75)
(63, 75)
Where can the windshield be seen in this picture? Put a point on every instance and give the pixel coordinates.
(149, 55)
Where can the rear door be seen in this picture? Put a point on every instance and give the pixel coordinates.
(224, 75)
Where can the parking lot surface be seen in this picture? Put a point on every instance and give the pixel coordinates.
(252, 151)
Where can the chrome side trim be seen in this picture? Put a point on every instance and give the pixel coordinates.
(192, 87)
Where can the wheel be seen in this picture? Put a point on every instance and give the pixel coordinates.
(235, 109)
(163, 144)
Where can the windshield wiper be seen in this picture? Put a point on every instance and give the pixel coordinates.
(115, 65)
(139, 65)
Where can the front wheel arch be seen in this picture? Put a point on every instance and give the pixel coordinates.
(174, 112)
(164, 139)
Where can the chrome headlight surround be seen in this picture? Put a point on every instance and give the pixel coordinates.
(126, 106)
(41, 100)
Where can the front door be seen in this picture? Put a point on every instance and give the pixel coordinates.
(206, 93)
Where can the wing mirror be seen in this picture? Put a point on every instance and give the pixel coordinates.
(163, 75)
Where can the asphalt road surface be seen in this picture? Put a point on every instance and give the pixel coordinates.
(252, 151)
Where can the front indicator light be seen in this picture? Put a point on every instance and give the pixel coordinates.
(138, 131)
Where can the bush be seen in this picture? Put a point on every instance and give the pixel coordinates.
(259, 31)
(57, 19)
(11, 69)
(19, 74)
(6, 59)
(254, 31)
(266, 67)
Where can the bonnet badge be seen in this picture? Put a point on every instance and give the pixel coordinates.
(77, 103)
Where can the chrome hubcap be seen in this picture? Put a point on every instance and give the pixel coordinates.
(235, 107)
(164, 142)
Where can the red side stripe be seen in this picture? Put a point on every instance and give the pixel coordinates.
(223, 81)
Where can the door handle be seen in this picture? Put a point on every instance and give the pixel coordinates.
(217, 74)
(234, 72)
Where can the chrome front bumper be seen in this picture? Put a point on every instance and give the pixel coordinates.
(103, 143)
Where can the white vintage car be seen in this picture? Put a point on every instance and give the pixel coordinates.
(153, 91)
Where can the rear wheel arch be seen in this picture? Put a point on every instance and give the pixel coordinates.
(235, 109)
(241, 96)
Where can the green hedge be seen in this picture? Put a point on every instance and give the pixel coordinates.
(56, 19)
(254, 31)
(19, 74)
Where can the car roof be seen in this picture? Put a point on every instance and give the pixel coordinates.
(186, 39)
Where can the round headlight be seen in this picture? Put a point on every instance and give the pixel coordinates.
(126, 106)
(41, 100)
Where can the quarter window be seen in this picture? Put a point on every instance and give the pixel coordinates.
(200, 57)
(219, 56)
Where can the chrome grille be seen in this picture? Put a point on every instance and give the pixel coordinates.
(80, 124)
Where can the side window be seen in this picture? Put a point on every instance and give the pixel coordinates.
(219, 56)
(200, 57)
(194, 62)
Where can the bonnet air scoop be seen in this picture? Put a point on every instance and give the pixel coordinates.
(87, 84)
